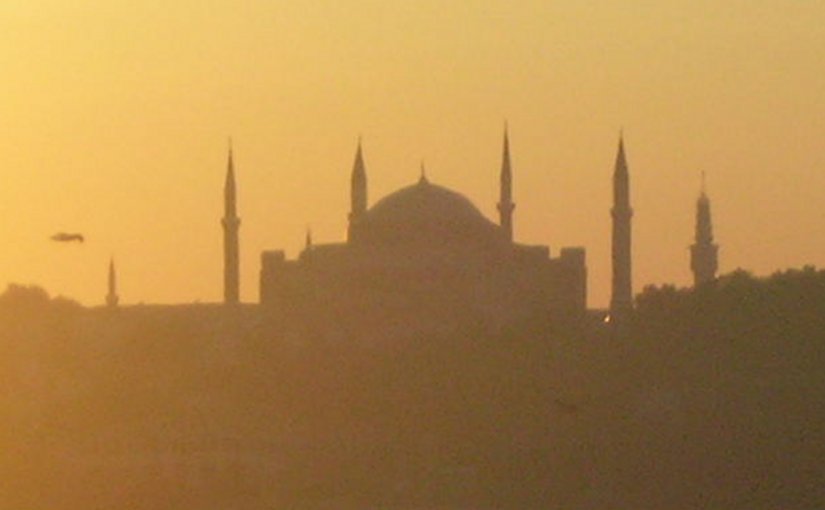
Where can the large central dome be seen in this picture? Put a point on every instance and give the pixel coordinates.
(425, 212)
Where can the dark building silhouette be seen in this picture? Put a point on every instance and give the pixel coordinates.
(505, 203)
(231, 223)
(704, 252)
(425, 251)
(112, 298)
(621, 301)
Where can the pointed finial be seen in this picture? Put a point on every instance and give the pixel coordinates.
(423, 178)
(231, 163)
(621, 160)
(621, 141)
(309, 238)
(506, 149)
(359, 157)
(229, 183)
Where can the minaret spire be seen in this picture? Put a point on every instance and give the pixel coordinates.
(505, 203)
(231, 224)
(621, 301)
(704, 253)
(112, 298)
(358, 191)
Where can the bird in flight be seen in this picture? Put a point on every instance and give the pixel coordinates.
(64, 237)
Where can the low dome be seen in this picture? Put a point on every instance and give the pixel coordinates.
(426, 212)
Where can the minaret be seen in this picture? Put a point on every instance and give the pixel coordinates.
(358, 191)
(112, 298)
(505, 202)
(231, 223)
(621, 301)
(703, 253)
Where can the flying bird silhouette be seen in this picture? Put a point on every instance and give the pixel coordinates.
(63, 237)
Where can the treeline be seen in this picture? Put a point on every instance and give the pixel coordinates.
(788, 299)
(740, 366)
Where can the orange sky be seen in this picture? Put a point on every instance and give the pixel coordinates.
(114, 116)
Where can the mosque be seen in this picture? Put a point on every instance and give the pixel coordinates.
(426, 251)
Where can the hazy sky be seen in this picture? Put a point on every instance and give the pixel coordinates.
(114, 118)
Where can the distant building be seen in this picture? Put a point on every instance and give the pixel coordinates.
(112, 298)
(704, 253)
(426, 250)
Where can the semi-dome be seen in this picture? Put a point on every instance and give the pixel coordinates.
(426, 212)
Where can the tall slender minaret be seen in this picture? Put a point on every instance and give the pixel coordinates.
(703, 253)
(505, 201)
(358, 191)
(112, 298)
(231, 223)
(621, 301)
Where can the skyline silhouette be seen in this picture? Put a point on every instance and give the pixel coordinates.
(703, 260)
(600, 291)
(115, 120)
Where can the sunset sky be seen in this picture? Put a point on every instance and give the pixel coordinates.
(115, 114)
